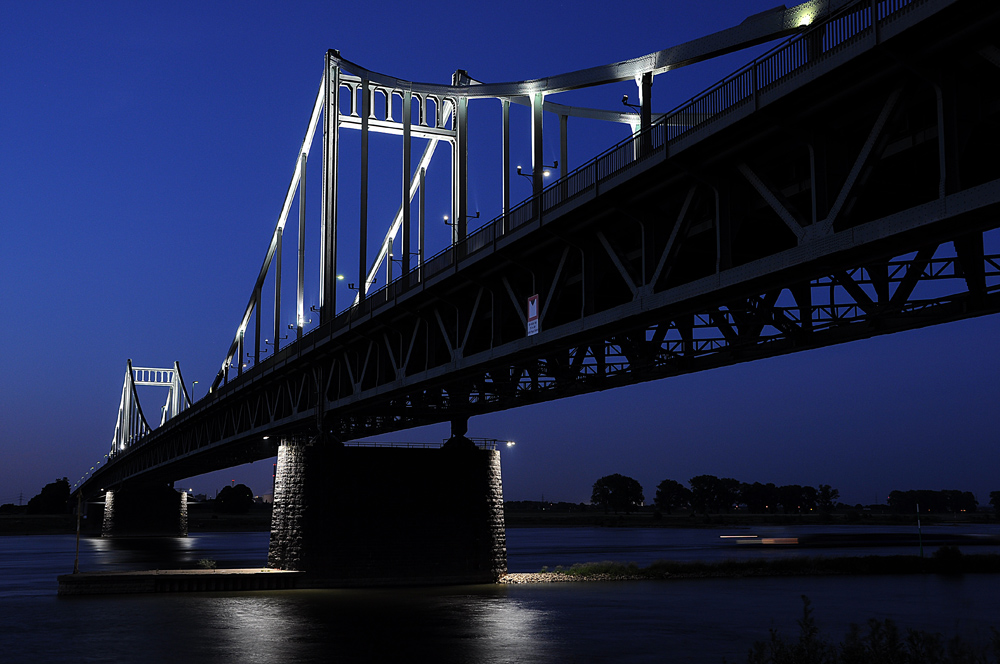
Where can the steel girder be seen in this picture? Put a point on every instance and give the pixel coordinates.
(861, 202)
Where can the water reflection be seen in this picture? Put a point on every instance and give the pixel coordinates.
(227, 550)
(469, 624)
(703, 620)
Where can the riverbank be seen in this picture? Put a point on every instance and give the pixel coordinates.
(203, 519)
(647, 519)
(945, 560)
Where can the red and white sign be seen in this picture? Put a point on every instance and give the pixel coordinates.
(532, 315)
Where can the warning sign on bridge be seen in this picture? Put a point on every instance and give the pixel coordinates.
(532, 315)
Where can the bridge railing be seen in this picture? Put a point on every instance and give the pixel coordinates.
(851, 24)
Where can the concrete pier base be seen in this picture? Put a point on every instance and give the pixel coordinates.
(369, 516)
(144, 512)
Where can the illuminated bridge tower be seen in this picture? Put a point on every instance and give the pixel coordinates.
(142, 509)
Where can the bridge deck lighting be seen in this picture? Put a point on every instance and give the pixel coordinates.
(545, 173)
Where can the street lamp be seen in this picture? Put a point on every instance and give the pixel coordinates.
(545, 172)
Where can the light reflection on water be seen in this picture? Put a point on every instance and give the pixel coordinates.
(694, 620)
(691, 621)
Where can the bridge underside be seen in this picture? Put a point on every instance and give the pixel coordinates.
(852, 200)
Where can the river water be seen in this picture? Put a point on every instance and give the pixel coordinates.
(705, 620)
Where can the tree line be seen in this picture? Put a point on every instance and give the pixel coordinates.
(937, 501)
(708, 494)
(54, 499)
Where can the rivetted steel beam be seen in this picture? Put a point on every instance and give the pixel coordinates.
(506, 156)
(277, 293)
(757, 29)
(407, 181)
(537, 157)
(328, 241)
(301, 281)
(366, 105)
(460, 170)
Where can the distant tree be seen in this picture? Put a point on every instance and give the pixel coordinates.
(704, 492)
(995, 501)
(234, 499)
(795, 498)
(728, 494)
(759, 498)
(808, 498)
(826, 497)
(671, 494)
(932, 501)
(53, 499)
(619, 492)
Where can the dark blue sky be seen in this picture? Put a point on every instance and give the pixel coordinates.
(145, 154)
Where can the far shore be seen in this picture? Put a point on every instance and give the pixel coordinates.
(202, 519)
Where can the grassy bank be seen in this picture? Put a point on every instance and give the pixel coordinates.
(946, 560)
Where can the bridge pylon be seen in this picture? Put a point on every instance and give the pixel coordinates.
(132, 426)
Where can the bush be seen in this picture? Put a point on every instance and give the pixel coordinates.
(948, 559)
(53, 499)
(883, 643)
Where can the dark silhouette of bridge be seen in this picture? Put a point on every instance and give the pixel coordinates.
(838, 187)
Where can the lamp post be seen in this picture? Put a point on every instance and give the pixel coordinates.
(634, 107)
(546, 172)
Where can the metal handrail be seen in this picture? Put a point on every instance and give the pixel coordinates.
(821, 40)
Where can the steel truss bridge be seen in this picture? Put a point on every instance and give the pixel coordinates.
(843, 185)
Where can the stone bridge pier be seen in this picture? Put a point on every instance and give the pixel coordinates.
(369, 516)
(143, 511)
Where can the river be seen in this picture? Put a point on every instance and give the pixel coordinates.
(705, 620)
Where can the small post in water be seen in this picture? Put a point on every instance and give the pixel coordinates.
(79, 510)
(920, 536)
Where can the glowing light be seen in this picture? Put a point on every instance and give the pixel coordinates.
(340, 277)
(510, 443)
(546, 173)
(805, 20)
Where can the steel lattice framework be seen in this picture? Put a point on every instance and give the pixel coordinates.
(842, 186)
